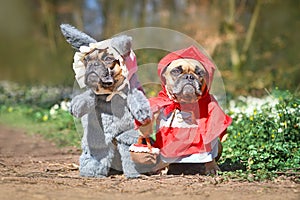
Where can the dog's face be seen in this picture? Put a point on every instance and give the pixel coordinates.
(103, 71)
(185, 80)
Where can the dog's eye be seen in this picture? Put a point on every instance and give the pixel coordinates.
(199, 72)
(90, 65)
(109, 59)
(111, 65)
(176, 71)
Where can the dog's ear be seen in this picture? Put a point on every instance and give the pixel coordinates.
(163, 78)
(122, 44)
(75, 37)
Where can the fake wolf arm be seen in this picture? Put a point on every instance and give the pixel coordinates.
(82, 104)
(139, 107)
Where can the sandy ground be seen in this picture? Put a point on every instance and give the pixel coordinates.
(33, 168)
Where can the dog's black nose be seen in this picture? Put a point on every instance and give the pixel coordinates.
(107, 81)
(189, 77)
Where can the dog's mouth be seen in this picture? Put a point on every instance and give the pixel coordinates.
(188, 94)
(104, 88)
(109, 84)
(101, 84)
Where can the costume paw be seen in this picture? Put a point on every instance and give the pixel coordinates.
(139, 106)
(211, 168)
(81, 105)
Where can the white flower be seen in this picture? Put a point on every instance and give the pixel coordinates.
(291, 110)
(53, 112)
(55, 107)
(280, 130)
(64, 105)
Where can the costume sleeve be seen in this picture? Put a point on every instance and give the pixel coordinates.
(135, 83)
(216, 123)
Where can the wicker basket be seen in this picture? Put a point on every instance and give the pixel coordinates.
(143, 153)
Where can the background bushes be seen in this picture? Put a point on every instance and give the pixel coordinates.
(265, 133)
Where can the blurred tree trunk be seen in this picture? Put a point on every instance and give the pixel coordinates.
(77, 15)
(49, 22)
(232, 35)
(250, 31)
(239, 58)
(142, 14)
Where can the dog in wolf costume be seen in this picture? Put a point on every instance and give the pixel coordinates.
(109, 106)
(189, 120)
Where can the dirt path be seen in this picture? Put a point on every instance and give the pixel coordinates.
(32, 168)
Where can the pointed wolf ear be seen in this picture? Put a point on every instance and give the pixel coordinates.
(75, 37)
(122, 44)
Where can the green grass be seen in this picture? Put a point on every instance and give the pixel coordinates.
(60, 129)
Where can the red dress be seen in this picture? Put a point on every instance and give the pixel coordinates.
(207, 122)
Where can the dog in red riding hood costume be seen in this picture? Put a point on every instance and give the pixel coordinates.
(189, 121)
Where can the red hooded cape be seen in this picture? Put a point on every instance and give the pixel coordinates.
(211, 121)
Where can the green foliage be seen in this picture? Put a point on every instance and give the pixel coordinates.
(41, 96)
(265, 133)
(54, 124)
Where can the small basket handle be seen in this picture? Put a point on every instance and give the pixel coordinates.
(147, 139)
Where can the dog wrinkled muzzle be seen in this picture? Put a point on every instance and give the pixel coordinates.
(188, 94)
(187, 89)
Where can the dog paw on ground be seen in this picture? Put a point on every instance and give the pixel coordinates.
(211, 168)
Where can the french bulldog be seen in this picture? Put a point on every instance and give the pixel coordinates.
(109, 105)
(185, 81)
